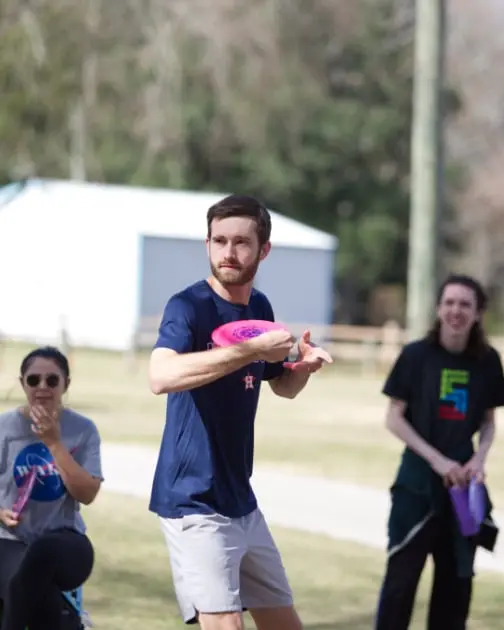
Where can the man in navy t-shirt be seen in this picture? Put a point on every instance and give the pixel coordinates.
(223, 557)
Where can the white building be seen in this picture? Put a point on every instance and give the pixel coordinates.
(98, 259)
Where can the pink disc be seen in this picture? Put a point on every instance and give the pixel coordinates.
(24, 492)
(236, 332)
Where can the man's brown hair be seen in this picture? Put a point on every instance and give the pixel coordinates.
(242, 206)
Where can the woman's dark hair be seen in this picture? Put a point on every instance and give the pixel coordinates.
(46, 352)
(477, 344)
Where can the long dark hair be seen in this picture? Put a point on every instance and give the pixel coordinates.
(477, 343)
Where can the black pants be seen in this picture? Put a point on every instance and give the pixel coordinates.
(450, 596)
(33, 576)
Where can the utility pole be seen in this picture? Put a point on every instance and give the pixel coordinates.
(426, 164)
(77, 124)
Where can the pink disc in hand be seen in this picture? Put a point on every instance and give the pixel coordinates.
(236, 332)
(24, 492)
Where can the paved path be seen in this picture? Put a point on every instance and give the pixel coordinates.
(322, 506)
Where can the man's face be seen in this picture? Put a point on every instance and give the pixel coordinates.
(234, 250)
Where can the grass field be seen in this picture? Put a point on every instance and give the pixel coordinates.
(335, 584)
(334, 428)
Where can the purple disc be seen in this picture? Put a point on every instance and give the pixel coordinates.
(477, 501)
(460, 502)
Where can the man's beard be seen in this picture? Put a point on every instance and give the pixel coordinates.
(235, 277)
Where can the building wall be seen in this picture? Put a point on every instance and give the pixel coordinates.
(297, 281)
(168, 265)
(31, 266)
(84, 263)
(67, 269)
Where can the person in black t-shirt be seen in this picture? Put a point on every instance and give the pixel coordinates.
(443, 390)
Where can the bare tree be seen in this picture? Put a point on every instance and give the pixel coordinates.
(475, 66)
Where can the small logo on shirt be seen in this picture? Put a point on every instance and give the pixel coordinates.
(48, 484)
(453, 394)
(249, 381)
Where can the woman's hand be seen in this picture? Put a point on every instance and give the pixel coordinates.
(450, 471)
(475, 469)
(45, 424)
(8, 518)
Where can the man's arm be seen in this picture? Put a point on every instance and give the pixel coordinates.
(171, 372)
(289, 383)
(174, 366)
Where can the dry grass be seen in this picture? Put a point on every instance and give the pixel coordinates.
(334, 428)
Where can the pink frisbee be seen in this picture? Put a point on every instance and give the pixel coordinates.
(24, 492)
(237, 332)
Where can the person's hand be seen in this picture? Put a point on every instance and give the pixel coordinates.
(45, 424)
(272, 346)
(451, 471)
(311, 358)
(9, 518)
(475, 469)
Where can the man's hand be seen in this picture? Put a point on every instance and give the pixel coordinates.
(311, 358)
(272, 346)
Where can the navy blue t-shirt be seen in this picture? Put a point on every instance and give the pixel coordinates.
(206, 457)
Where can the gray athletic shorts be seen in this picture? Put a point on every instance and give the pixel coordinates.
(221, 564)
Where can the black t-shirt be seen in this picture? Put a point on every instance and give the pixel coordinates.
(447, 394)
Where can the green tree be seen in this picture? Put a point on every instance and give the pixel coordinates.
(309, 110)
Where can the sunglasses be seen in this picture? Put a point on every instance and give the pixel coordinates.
(51, 380)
